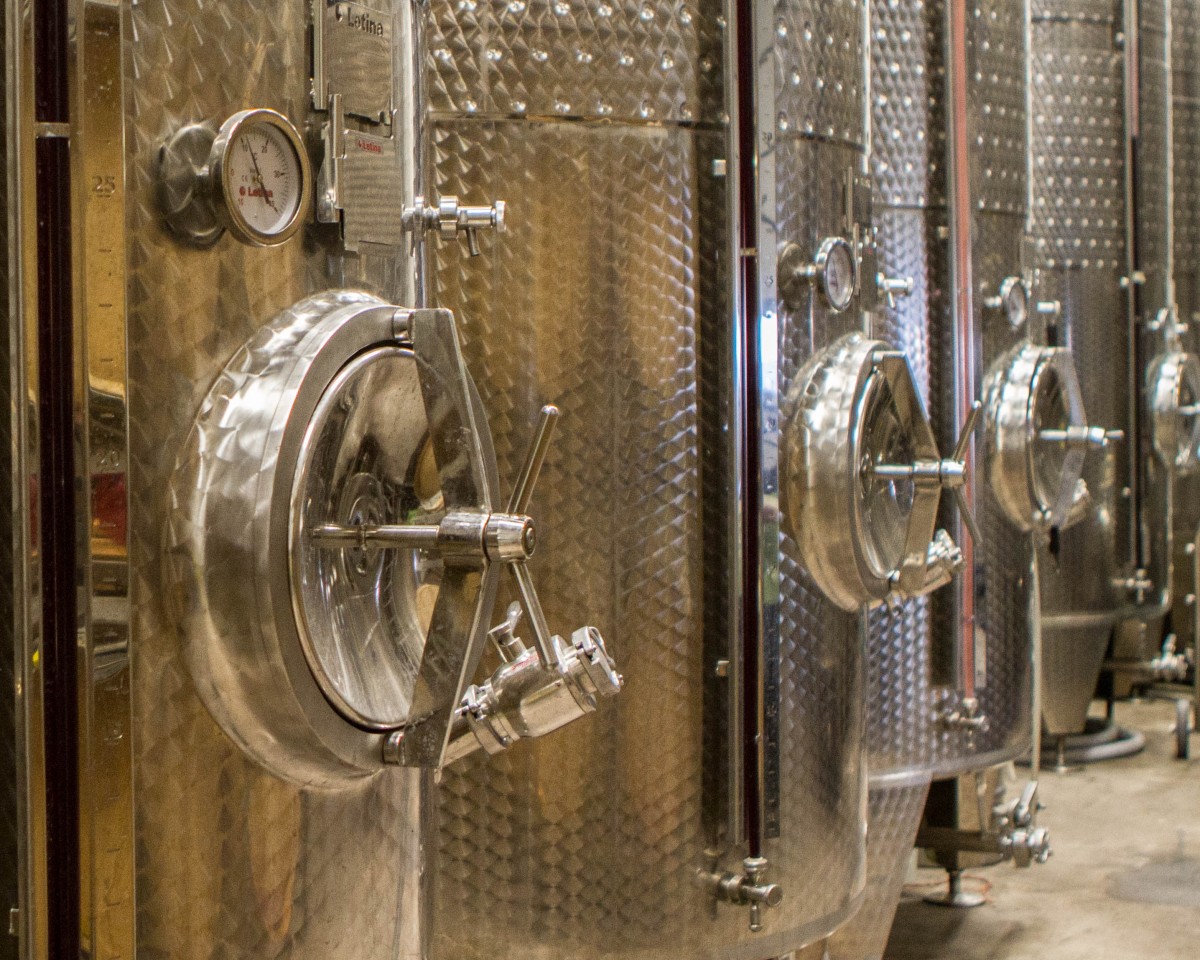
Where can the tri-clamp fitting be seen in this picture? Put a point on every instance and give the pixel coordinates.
(1171, 665)
(748, 888)
(944, 561)
(528, 698)
(1020, 838)
(450, 219)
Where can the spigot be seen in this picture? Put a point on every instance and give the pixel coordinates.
(1019, 837)
(964, 715)
(527, 698)
(748, 888)
(1013, 833)
(450, 219)
(1139, 584)
(894, 287)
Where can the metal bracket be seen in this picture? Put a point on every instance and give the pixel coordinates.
(356, 184)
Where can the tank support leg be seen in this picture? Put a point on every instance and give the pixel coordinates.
(954, 895)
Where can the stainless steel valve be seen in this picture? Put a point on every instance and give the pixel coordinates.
(451, 219)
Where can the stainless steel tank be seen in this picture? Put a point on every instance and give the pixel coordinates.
(917, 727)
(270, 595)
(1079, 221)
(610, 129)
(1185, 124)
(1167, 424)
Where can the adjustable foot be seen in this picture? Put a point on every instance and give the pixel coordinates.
(954, 895)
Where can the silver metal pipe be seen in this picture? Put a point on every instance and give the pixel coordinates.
(735, 499)
(962, 305)
(1035, 656)
(1132, 61)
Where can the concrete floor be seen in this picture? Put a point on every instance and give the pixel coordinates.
(1124, 880)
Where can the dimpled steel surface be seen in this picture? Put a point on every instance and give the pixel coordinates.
(594, 300)
(905, 736)
(561, 843)
(621, 60)
(1079, 235)
(230, 861)
(1154, 213)
(895, 814)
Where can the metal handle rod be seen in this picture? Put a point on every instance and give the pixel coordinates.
(386, 536)
(523, 491)
(968, 431)
(965, 514)
(546, 647)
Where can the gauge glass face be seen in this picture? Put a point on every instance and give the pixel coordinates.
(264, 177)
(887, 501)
(838, 275)
(1016, 303)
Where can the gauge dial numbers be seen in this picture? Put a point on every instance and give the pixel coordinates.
(260, 177)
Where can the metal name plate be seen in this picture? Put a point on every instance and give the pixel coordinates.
(372, 208)
(352, 56)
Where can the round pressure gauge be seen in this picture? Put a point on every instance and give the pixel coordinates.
(1013, 299)
(260, 177)
(250, 177)
(836, 273)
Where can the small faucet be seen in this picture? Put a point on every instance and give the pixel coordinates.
(450, 219)
(748, 888)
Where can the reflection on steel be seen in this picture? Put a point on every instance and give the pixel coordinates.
(1173, 383)
(353, 414)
